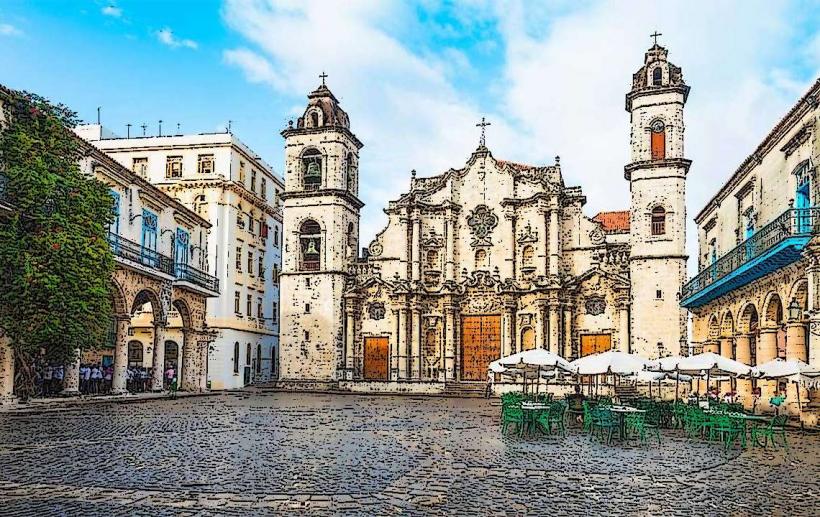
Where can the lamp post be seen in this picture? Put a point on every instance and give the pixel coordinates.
(795, 311)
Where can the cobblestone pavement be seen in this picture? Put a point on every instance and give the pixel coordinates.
(284, 453)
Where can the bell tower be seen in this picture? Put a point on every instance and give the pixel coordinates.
(321, 234)
(657, 179)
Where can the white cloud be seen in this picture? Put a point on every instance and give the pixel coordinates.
(565, 72)
(257, 69)
(112, 11)
(6, 29)
(166, 37)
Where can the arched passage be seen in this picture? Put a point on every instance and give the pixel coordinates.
(727, 335)
(711, 344)
(772, 342)
(747, 328)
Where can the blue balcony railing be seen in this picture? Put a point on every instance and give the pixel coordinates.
(134, 252)
(775, 245)
(188, 273)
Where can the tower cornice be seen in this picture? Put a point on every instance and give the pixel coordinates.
(292, 131)
(339, 193)
(669, 163)
(655, 90)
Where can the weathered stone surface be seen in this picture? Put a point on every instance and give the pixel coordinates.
(299, 454)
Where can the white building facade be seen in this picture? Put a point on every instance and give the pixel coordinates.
(225, 182)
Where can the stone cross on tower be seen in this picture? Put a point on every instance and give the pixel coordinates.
(655, 36)
(483, 125)
(323, 76)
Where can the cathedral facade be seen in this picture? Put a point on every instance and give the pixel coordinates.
(483, 260)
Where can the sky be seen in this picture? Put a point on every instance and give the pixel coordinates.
(416, 77)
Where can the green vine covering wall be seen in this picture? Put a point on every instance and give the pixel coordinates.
(55, 261)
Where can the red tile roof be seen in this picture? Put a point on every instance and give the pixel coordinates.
(615, 222)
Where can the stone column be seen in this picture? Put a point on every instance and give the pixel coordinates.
(449, 240)
(415, 342)
(190, 358)
(508, 337)
(118, 381)
(711, 346)
(350, 341)
(766, 345)
(725, 346)
(554, 343)
(71, 380)
(6, 371)
(743, 353)
(158, 359)
(403, 356)
(203, 364)
(415, 250)
(567, 332)
(543, 324)
(623, 326)
(814, 341)
(796, 341)
(449, 342)
(554, 252)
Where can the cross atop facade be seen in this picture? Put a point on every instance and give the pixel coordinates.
(483, 125)
(655, 36)
(323, 76)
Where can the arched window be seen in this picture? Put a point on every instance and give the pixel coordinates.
(431, 260)
(527, 256)
(310, 242)
(480, 259)
(657, 76)
(658, 221)
(236, 357)
(312, 169)
(658, 140)
(201, 206)
(314, 119)
(351, 241)
(258, 358)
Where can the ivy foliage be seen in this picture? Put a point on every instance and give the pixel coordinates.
(55, 262)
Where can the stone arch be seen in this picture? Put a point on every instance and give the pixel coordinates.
(773, 310)
(146, 295)
(748, 319)
(119, 302)
(800, 293)
(727, 325)
(714, 328)
(184, 312)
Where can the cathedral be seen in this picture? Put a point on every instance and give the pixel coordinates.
(480, 261)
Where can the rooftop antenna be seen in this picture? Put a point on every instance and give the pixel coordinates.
(160, 127)
(128, 130)
(228, 129)
(144, 126)
(98, 115)
(178, 128)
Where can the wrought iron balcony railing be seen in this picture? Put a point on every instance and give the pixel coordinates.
(188, 273)
(794, 222)
(134, 252)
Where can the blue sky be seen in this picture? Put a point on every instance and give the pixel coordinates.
(415, 77)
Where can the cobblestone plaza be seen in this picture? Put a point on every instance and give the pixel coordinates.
(284, 453)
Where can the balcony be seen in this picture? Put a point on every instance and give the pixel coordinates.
(131, 251)
(192, 275)
(774, 246)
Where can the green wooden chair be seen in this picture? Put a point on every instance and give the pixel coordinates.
(776, 428)
(554, 417)
(605, 424)
(636, 425)
(728, 430)
(513, 415)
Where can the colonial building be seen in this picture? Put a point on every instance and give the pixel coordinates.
(153, 273)
(483, 260)
(227, 183)
(756, 294)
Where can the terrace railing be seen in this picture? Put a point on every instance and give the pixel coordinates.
(188, 273)
(134, 252)
(794, 222)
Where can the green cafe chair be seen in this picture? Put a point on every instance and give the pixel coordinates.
(775, 429)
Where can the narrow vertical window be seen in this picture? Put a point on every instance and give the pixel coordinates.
(236, 357)
(658, 140)
(658, 221)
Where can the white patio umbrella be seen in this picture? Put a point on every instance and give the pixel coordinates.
(659, 377)
(536, 361)
(792, 370)
(669, 365)
(710, 363)
(618, 363)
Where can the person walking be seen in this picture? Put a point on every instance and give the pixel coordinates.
(48, 373)
(169, 375)
(108, 376)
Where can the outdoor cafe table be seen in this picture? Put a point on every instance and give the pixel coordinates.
(621, 411)
(531, 411)
(754, 420)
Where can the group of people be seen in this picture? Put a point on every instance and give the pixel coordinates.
(95, 379)
(48, 379)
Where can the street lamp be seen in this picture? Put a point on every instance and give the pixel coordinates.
(794, 310)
